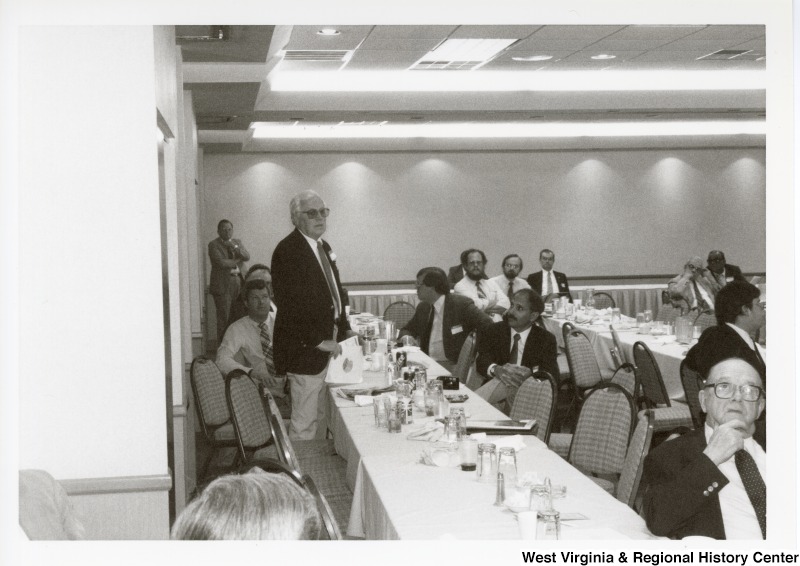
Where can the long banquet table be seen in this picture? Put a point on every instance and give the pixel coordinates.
(395, 497)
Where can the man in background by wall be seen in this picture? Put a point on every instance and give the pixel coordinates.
(510, 282)
(548, 283)
(723, 272)
(227, 255)
(311, 317)
(695, 285)
(486, 295)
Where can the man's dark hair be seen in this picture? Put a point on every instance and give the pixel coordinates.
(254, 285)
(731, 298)
(257, 267)
(223, 221)
(509, 256)
(717, 252)
(546, 251)
(465, 256)
(434, 277)
(534, 299)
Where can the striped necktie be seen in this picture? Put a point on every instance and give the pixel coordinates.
(326, 268)
(481, 294)
(754, 486)
(266, 347)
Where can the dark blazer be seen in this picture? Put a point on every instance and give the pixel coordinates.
(494, 347)
(732, 271)
(458, 311)
(717, 343)
(454, 275)
(305, 308)
(677, 477)
(535, 281)
(221, 265)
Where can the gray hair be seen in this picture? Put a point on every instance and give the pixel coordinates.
(252, 506)
(294, 205)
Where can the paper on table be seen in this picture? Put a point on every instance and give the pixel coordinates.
(363, 400)
(346, 367)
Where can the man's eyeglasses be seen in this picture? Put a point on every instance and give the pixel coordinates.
(726, 391)
(313, 213)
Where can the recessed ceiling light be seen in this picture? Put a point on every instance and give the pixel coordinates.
(603, 56)
(328, 31)
(534, 58)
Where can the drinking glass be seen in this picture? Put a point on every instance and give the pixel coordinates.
(461, 420)
(368, 347)
(616, 316)
(392, 414)
(540, 497)
(640, 319)
(450, 429)
(487, 463)
(548, 525)
(507, 464)
(388, 330)
(380, 412)
(468, 454)
(648, 315)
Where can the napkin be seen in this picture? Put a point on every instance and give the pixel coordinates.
(431, 432)
(363, 400)
(443, 456)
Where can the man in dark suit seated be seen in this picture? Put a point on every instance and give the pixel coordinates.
(710, 481)
(548, 283)
(723, 272)
(442, 320)
(510, 351)
(739, 315)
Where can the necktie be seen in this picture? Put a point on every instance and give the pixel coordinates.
(326, 267)
(760, 359)
(510, 289)
(266, 347)
(512, 357)
(547, 287)
(481, 294)
(754, 486)
(702, 304)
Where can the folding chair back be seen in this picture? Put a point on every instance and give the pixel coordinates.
(330, 526)
(536, 399)
(286, 453)
(628, 486)
(692, 383)
(649, 375)
(208, 387)
(582, 362)
(465, 358)
(603, 301)
(705, 320)
(250, 421)
(399, 312)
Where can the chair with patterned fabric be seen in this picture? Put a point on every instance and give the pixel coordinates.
(208, 390)
(536, 399)
(249, 416)
(582, 362)
(600, 441)
(654, 394)
(692, 384)
(603, 301)
(631, 476)
(625, 376)
(326, 512)
(465, 358)
(705, 320)
(399, 312)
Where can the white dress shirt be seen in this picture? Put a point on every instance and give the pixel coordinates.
(492, 293)
(553, 283)
(435, 342)
(523, 338)
(502, 282)
(738, 515)
(241, 345)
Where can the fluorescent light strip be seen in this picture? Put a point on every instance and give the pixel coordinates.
(280, 130)
(499, 81)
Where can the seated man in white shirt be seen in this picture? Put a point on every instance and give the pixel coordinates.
(510, 282)
(247, 344)
(486, 295)
(695, 285)
(710, 481)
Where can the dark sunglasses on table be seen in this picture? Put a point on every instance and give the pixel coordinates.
(726, 391)
(314, 213)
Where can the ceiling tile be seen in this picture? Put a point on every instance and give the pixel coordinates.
(667, 33)
(411, 32)
(707, 45)
(399, 44)
(367, 60)
(732, 34)
(588, 33)
(493, 32)
(611, 44)
(543, 45)
(306, 37)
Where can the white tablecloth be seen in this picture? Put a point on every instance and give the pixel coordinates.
(394, 497)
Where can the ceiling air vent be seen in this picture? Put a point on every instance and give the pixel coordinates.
(202, 33)
(725, 54)
(446, 65)
(316, 55)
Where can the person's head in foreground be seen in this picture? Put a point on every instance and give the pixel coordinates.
(252, 506)
(733, 395)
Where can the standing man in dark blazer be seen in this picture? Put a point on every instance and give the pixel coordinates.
(443, 320)
(548, 283)
(510, 351)
(723, 272)
(710, 481)
(311, 318)
(227, 255)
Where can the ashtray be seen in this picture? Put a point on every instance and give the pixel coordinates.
(460, 398)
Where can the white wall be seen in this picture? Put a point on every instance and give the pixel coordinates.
(92, 368)
(602, 212)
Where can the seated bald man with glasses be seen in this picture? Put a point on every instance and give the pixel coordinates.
(710, 482)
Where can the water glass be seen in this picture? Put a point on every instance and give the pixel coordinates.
(577, 303)
(468, 454)
(648, 315)
(403, 389)
(640, 319)
(696, 332)
(540, 498)
(487, 462)
(392, 414)
(658, 328)
(548, 525)
(368, 347)
(461, 420)
(683, 330)
(616, 316)
(451, 431)
(380, 412)
(388, 330)
(507, 465)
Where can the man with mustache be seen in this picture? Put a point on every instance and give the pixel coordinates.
(486, 295)
(510, 282)
(510, 351)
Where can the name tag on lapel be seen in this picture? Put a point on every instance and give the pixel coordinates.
(563, 285)
(456, 329)
(728, 279)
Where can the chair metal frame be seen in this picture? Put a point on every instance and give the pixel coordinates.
(574, 334)
(635, 456)
(258, 391)
(466, 357)
(406, 320)
(210, 429)
(654, 392)
(540, 377)
(692, 385)
(613, 304)
(329, 523)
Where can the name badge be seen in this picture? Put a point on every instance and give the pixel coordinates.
(456, 329)
(728, 279)
(563, 285)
